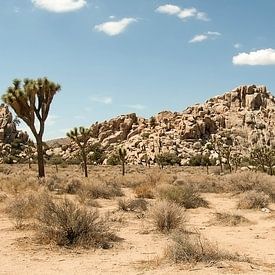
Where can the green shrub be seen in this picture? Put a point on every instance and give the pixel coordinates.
(113, 160)
(165, 159)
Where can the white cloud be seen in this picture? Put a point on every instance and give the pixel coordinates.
(214, 33)
(198, 38)
(169, 9)
(202, 37)
(102, 99)
(113, 28)
(186, 13)
(237, 46)
(202, 16)
(59, 5)
(136, 106)
(183, 14)
(259, 57)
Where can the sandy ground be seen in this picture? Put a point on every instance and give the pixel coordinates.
(142, 248)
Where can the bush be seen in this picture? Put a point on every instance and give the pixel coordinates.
(99, 189)
(193, 248)
(66, 224)
(229, 219)
(133, 205)
(167, 216)
(253, 200)
(144, 191)
(113, 160)
(248, 181)
(73, 186)
(22, 208)
(166, 159)
(186, 195)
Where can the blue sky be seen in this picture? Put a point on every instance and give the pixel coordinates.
(144, 56)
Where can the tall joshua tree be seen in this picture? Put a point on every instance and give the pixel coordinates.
(31, 101)
(81, 137)
(122, 156)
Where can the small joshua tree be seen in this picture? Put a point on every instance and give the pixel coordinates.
(263, 157)
(81, 137)
(31, 101)
(122, 156)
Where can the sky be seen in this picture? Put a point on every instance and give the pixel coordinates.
(143, 56)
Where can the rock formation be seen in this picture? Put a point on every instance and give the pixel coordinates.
(9, 133)
(247, 113)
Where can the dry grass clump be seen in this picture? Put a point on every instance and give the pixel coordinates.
(203, 183)
(97, 189)
(128, 180)
(248, 180)
(23, 207)
(14, 184)
(167, 216)
(193, 248)
(54, 183)
(229, 219)
(186, 195)
(253, 200)
(73, 186)
(145, 191)
(66, 224)
(133, 205)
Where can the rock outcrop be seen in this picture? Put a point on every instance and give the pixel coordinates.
(9, 133)
(247, 113)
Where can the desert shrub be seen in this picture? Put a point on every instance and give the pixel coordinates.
(14, 184)
(22, 207)
(54, 183)
(253, 199)
(186, 195)
(133, 205)
(248, 181)
(144, 191)
(113, 160)
(167, 216)
(193, 248)
(73, 186)
(66, 224)
(201, 160)
(97, 154)
(165, 159)
(98, 189)
(229, 219)
(202, 183)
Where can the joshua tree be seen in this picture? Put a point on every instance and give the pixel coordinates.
(122, 156)
(31, 101)
(81, 136)
(263, 157)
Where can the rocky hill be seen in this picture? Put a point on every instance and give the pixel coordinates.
(12, 141)
(247, 113)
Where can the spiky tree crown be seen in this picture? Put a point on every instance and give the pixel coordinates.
(80, 135)
(122, 153)
(31, 98)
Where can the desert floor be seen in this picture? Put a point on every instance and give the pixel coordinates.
(142, 248)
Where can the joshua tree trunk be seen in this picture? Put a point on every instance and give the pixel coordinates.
(123, 168)
(40, 159)
(84, 157)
